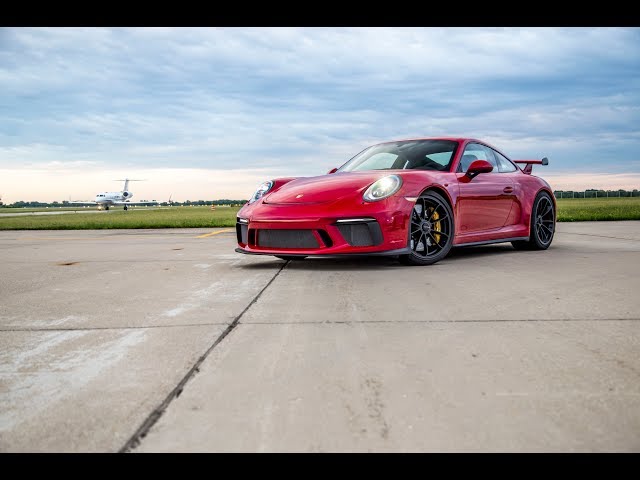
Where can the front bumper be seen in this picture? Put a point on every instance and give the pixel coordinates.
(366, 229)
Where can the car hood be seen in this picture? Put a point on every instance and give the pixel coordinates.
(324, 188)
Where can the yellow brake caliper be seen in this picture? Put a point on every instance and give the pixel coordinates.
(435, 226)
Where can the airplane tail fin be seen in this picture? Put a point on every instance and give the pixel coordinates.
(126, 183)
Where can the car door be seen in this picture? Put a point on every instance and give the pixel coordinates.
(484, 201)
(509, 170)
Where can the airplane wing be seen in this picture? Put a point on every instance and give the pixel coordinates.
(136, 203)
(82, 202)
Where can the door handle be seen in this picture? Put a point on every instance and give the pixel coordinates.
(508, 189)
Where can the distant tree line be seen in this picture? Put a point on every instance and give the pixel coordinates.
(65, 203)
(188, 203)
(224, 201)
(32, 204)
(589, 193)
(595, 193)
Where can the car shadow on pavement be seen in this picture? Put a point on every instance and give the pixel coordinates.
(480, 250)
(329, 263)
(347, 263)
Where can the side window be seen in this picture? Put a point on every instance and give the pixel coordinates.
(442, 158)
(475, 151)
(504, 164)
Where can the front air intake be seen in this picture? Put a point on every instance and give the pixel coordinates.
(242, 232)
(360, 232)
(287, 238)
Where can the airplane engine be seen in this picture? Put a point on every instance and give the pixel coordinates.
(126, 194)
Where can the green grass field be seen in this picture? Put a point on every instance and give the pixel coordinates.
(165, 217)
(569, 210)
(591, 209)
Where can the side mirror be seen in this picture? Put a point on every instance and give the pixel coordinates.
(477, 167)
(333, 170)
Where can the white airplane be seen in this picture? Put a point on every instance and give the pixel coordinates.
(105, 200)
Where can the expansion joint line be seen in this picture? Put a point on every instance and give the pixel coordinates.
(155, 415)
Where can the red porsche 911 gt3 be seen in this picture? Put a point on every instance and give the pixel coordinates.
(415, 199)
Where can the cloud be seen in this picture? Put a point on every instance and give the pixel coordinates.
(302, 100)
(80, 181)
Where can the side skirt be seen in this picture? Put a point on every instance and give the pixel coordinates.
(489, 242)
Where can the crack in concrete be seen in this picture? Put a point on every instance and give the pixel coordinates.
(155, 415)
(602, 236)
(324, 322)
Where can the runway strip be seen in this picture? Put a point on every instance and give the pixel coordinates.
(217, 232)
(25, 214)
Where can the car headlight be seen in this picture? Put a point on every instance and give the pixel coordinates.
(382, 188)
(261, 192)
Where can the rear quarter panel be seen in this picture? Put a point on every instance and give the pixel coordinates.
(530, 186)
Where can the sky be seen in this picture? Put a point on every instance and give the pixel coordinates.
(210, 113)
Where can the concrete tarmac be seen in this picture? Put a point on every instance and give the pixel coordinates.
(167, 340)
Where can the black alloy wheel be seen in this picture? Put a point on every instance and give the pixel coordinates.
(431, 230)
(543, 225)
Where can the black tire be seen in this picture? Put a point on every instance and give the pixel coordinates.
(543, 225)
(431, 230)
(290, 257)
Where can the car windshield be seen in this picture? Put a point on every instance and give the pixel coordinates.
(405, 155)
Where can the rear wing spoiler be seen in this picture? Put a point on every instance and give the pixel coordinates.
(530, 163)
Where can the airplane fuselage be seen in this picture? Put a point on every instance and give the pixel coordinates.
(109, 198)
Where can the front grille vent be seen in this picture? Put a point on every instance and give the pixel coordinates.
(287, 238)
(242, 233)
(361, 234)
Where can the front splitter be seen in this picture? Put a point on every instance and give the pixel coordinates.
(387, 253)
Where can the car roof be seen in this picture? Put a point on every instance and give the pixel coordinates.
(455, 139)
